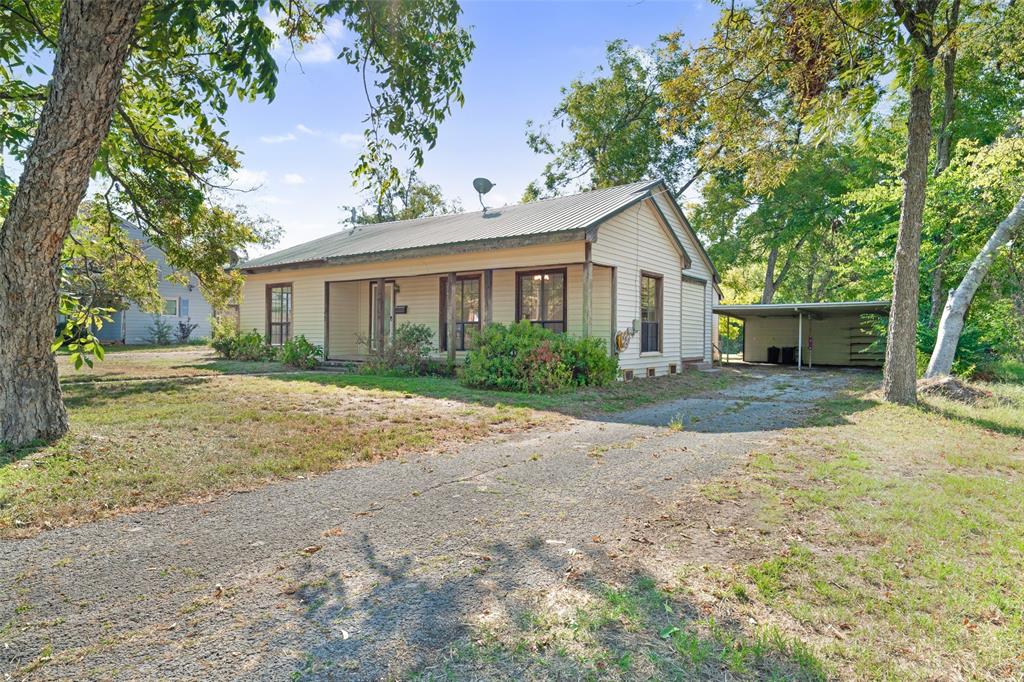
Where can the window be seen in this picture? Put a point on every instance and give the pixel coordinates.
(540, 298)
(650, 313)
(183, 307)
(279, 313)
(467, 311)
(171, 306)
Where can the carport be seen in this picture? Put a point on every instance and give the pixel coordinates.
(831, 333)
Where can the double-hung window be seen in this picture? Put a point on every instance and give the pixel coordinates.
(279, 313)
(650, 313)
(540, 298)
(467, 311)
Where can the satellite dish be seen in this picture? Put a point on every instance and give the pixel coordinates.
(482, 187)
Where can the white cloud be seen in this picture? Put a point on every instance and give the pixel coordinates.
(272, 200)
(349, 139)
(246, 179)
(277, 139)
(353, 140)
(294, 179)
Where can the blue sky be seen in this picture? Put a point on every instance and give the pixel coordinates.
(300, 148)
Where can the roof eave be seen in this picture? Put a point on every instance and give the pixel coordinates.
(553, 237)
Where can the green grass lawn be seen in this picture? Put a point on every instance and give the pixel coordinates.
(893, 545)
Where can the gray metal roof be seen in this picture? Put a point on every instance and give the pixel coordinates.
(549, 216)
(793, 309)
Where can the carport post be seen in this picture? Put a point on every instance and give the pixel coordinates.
(800, 340)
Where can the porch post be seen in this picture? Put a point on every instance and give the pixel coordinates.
(378, 306)
(588, 286)
(486, 298)
(614, 312)
(800, 341)
(327, 320)
(450, 315)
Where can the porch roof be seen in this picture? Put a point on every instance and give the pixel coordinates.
(546, 220)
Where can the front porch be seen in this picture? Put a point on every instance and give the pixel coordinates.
(575, 298)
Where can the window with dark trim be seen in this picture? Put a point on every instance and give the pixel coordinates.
(467, 311)
(650, 313)
(279, 313)
(540, 298)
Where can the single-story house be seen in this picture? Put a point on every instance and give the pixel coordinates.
(620, 264)
(836, 333)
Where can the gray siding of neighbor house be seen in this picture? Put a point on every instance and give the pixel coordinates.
(134, 324)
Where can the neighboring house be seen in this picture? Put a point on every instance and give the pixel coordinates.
(180, 303)
(614, 263)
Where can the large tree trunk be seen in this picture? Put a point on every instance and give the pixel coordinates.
(943, 154)
(959, 300)
(899, 381)
(92, 48)
(768, 292)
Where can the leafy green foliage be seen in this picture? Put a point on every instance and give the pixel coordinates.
(407, 353)
(526, 357)
(160, 333)
(614, 127)
(406, 199)
(232, 345)
(166, 161)
(299, 352)
(77, 334)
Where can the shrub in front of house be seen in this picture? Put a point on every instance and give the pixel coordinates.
(299, 352)
(527, 357)
(407, 352)
(251, 346)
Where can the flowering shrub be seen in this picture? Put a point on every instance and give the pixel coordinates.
(527, 357)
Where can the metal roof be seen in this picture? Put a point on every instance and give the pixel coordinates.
(548, 216)
(793, 309)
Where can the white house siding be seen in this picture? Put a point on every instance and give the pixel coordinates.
(308, 284)
(633, 242)
(702, 318)
(692, 332)
(344, 329)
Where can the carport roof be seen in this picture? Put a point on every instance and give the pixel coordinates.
(826, 309)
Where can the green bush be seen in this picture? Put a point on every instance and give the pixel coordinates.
(159, 334)
(406, 353)
(251, 346)
(299, 352)
(527, 357)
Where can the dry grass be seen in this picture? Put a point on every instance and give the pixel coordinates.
(878, 542)
(137, 445)
(131, 363)
(890, 544)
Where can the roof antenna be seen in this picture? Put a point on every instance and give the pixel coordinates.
(482, 187)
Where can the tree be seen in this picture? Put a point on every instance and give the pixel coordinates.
(136, 99)
(952, 322)
(407, 199)
(614, 127)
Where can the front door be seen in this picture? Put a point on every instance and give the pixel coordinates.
(389, 312)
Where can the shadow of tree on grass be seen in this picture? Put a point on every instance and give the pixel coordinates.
(523, 612)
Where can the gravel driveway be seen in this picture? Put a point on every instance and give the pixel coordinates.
(398, 554)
